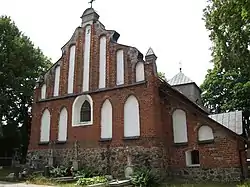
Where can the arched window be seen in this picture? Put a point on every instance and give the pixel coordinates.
(71, 69)
(131, 117)
(82, 111)
(45, 126)
(86, 62)
(85, 115)
(205, 133)
(63, 125)
(57, 81)
(139, 72)
(102, 63)
(119, 67)
(179, 126)
(43, 91)
(106, 120)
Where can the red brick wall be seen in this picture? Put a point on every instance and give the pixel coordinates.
(223, 152)
(144, 92)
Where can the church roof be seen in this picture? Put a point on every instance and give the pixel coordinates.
(180, 78)
(230, 120)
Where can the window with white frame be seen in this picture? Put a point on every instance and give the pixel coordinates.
(139, 69)
(106, 120)
(179, 126)
(131, 117)
(43, 91)
(119, 67)
(205, 133)
(71, 69)
(57, 81)
(82, 111)
(102, 63)
(45, 126)
(63, 125)
(192, 158)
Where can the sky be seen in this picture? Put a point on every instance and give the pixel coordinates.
(173, 28)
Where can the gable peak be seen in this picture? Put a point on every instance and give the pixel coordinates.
(150, 52)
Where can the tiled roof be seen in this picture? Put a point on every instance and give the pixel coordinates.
(231, 120)
(180, 78)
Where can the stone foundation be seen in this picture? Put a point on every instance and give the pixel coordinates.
(215, 174)
(107, 161)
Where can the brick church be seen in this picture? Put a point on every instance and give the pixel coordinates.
(102, 101)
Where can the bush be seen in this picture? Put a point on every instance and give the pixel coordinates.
(246, 184)
(88, 172)
(145, 178)
(60, 172)
(89, 181)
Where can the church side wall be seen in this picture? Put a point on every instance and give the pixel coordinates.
(220, 159)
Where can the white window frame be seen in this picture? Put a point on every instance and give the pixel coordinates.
(76, 111)
(201, 139)
(188, 158)
(43, 91)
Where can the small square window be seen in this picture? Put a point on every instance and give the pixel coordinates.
(193, 158)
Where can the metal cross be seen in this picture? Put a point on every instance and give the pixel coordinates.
(180, 63)
(91, 2)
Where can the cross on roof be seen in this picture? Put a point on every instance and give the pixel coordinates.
(91, 2)
(180, 63)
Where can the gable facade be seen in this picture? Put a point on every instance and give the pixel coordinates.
(103, 98)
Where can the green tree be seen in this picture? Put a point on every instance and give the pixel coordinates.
(227, 86)
(228, 22)
(162, 75)
(20, 65)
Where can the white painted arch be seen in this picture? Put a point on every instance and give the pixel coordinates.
(102, 63)
(205, 133)
(106, 120)
(76, 110)
(45, 126)
(131, 117)
(139, 69)
(179, 126)
(57, 81)
(119, 67)
(43, 91)
(63, 125)
(86, 62)
(71, 69)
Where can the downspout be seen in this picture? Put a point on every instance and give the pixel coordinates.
(241, 163)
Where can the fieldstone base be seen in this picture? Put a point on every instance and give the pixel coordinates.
(215, 174)
(107, 161)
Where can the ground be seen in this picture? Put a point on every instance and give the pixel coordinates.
(6, 184)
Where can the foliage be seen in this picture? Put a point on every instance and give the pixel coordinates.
(245, 184)
(229, 26)
(162, 75)
(226, 91)
(87, 172)
(21, 63)
(227, 86)
(60, 172)
(93, 180)
(145, 178)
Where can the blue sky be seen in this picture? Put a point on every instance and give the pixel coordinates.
(173, 28)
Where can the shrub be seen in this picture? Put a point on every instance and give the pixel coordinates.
(89, 181)
(246, 184)
(87, 172)
(60, 172)
(145, 178)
